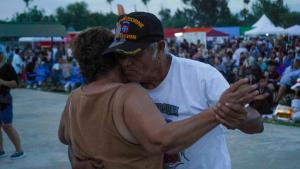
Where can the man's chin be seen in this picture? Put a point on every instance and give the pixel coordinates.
(133, 79)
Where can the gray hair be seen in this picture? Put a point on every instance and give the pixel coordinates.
(154, 48)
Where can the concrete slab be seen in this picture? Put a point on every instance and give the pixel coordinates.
(278, 147)
(37, 117)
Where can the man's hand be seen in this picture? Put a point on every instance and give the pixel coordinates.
(230, 110)
(240, 92)
(231, 115)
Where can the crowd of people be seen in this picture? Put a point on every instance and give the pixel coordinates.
(274, 62)
(39, 67)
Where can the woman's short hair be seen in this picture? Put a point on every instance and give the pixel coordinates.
(87, 48)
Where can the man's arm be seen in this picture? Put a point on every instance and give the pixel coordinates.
(235, 116)
(253, 123)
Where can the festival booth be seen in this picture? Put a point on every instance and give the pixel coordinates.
(264, 26)
(47, 42)
(195, 35)
(216, 36)
(232, 31)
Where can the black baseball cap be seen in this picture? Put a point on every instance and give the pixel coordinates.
(134, 32)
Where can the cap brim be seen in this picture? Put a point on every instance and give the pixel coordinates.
(126, 48)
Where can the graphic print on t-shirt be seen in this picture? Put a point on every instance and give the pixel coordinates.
(174, 160)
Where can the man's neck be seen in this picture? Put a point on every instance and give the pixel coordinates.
(160, 73)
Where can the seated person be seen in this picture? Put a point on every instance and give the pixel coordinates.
(288, 78)
(57, 72)
(272, 76)
(296, 101)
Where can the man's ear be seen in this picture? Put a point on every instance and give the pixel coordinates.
(161, 49)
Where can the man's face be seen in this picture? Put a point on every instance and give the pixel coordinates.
(138, 68)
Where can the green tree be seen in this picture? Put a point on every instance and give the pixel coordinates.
(246, 2)
(245, 12)
(74, 15)
(273, 9)
(209, 12)
(145, 2)
(178, 20)
(33, 15)
(27, 2)
(109, 2)
(78, 16)
(290, 19)
(165, 14)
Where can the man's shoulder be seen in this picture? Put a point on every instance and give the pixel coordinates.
(191, 63)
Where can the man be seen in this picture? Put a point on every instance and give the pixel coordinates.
(8, 80)
(17, 62)
(288, 78)
(180, 88)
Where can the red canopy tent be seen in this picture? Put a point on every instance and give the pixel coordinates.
(170, 32)
(215, 33)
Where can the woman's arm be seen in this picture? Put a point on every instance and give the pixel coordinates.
(148, 127)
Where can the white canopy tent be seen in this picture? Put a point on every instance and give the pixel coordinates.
(294, 30)
(263, 21)
(264, 26)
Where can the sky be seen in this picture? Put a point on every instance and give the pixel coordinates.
(9, 7)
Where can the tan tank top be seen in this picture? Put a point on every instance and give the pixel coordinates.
(95, 136)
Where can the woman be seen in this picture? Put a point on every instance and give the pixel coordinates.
(8, 80)
(116, 123)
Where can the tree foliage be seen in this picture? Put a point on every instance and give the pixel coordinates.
(209, 12)
(27, 2)
(197, 13)
(33, 15)
(217, 13)
(78, 16)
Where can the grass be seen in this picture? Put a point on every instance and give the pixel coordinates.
(273, 121)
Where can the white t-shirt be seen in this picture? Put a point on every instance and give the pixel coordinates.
(189, 88)
(237, 55)
(17, 63)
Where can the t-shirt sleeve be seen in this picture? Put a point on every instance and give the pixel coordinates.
(215, 84)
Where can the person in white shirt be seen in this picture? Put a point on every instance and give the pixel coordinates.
(17, 62)
(182, 88)
(296, 101)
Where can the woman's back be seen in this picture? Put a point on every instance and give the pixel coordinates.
(93, 131)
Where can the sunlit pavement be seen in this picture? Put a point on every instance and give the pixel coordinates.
(37, 114)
